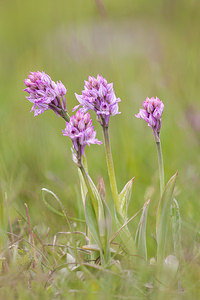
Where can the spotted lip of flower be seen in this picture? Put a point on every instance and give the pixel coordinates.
(98, 95)
(152, 113)
(81, 132)
(45, 94)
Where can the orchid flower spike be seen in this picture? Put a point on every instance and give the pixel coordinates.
(152, 113)
(81, 132)
(45, 94)
(98, 95)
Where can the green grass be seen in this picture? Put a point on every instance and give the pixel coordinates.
(146, 49)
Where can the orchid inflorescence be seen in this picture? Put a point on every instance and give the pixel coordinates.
(152, 114)
(99, 96)
(45, 94)
(81, 132)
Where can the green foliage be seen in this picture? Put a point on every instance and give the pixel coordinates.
(103, 241)
(163, 218)
(62, 214)
(140, 236)
(98, 217)
(176, 227)
(125, 197)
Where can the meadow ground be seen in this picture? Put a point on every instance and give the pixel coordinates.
(145, 49)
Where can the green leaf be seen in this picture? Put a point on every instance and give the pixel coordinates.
(100, 228)
(124, 198)
(63, 213)
(50, 207)
(140, 237)
(162, 218)
(92, 223)
(108, 230)
(98, 217)
(176, 227)
(93, 192)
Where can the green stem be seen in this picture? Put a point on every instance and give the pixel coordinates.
(125, 236)
(162, 186)
(111, 171)
(161, 167)
(65, 115)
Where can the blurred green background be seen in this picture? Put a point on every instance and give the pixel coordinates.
(146, 48)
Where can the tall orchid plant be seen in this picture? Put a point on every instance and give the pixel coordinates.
(102, 228)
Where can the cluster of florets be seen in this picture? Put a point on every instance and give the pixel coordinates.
(81, 132)
(152, 113)
(45, 93)
(98, 95)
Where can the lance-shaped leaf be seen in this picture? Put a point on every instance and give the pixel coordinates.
(63, 213)
(108, 231)
(93, 192)
(92, 222)
(162, 218)
(108, 219)
(100, 228)
(124, 198)
(49, 206)
(53, 209)
(140, 237)
(98, 213)
(176, 227)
